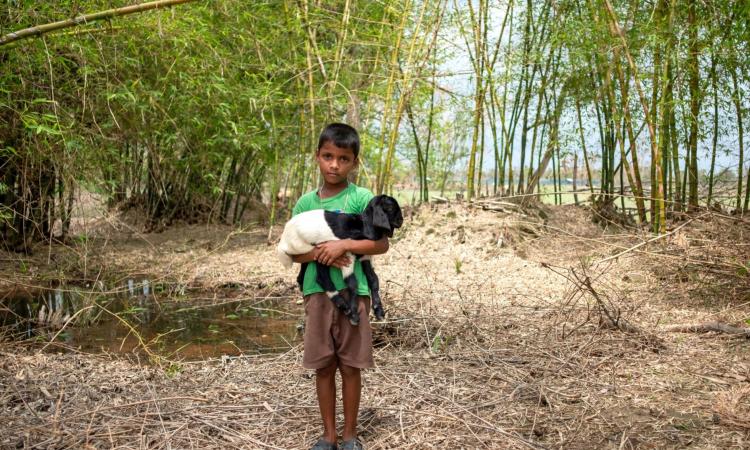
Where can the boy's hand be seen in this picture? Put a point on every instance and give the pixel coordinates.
(331, 253)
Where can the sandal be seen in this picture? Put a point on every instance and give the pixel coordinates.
(352, 444)
(322, 444)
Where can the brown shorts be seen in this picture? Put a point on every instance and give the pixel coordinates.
(329, 336)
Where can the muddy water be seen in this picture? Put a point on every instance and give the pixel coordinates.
(192, 327)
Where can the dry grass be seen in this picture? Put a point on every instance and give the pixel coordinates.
(484, 347)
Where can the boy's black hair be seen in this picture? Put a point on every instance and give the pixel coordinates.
(341, 135)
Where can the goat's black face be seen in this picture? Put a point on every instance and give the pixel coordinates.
(382, 212)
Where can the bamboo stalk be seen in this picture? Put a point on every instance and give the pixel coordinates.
(424, 189)
(380, 170)
(533, 45)
(478, 96)
(311, 94)
(340, 50)
(583, 146)
(617, 31)
(695, 99)
(86, 18)
(541, 100)
(716, 130)
(527, 93)
(408, 81)
(738, 108)
(633, 171)
(493, 101)
(670, 124)
(507, 139)
(552, 142)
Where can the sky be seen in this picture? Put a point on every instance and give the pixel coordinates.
(458, 78)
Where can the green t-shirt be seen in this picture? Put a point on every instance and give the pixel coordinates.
(354, 200)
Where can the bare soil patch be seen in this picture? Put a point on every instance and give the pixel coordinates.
(487, 342)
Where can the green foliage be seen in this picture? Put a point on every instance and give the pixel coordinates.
(437, 343)
(173, 369)
(199, 111)
(179, 112)
(440, 343)
(743, 270)
(131, 310)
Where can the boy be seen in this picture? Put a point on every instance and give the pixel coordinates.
(330, 341)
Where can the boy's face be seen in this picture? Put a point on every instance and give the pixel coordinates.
(335, 162)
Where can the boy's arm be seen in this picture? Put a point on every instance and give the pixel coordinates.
(367, 247)
(332, 250)
(305, 257)
(341, 261)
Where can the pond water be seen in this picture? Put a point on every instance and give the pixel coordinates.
(189, 327)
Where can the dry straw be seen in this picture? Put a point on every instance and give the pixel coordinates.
(499, 352)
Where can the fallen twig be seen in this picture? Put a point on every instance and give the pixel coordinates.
(708, 327)
(655, 238)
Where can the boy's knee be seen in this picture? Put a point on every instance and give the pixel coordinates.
(348, 371)
(326, 371)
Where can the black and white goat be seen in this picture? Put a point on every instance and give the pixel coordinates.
(381, 216)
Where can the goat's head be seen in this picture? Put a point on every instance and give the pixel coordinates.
(382, 216)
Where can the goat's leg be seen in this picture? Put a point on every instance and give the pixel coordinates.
(351, 284)
(323, 278)
(374, 283)
(348, 273)
(301, 276)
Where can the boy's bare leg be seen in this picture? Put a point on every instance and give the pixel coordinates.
(351, 380)
(325, 386)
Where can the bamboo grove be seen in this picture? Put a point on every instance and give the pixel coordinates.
(660, 85)
(200, 110)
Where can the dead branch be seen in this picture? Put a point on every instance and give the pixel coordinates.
(708, 327)
(486, 204)
(609, 313)
(86, 18)
(653, 239)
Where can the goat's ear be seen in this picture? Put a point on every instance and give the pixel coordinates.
(380, 219)
(368, 228)
(398, 217)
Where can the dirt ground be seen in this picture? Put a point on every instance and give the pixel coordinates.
(508, 328)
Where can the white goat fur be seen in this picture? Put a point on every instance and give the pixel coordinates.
(301, 234)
